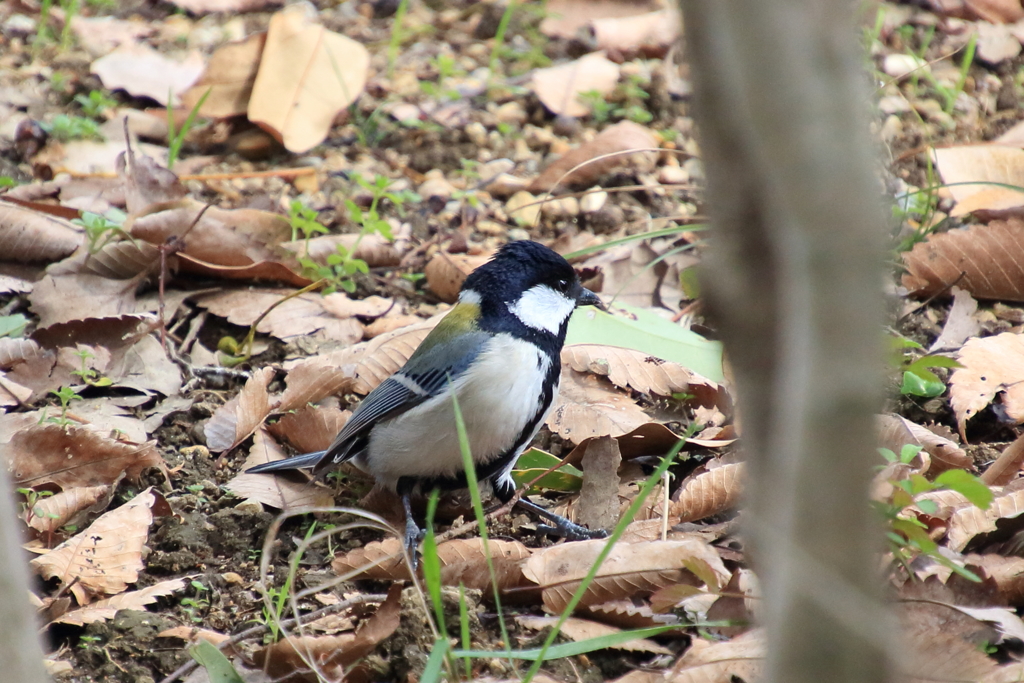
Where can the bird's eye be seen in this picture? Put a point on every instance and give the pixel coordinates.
(563, 285)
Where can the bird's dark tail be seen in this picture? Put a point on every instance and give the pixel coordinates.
(298, 462)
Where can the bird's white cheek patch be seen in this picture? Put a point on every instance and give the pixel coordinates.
(542, 308)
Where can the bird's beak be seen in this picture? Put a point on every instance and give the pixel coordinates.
(588, 298)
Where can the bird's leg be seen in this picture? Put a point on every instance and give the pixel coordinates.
(412, 532)
(560, 526)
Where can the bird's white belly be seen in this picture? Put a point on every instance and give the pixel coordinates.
(497, 399)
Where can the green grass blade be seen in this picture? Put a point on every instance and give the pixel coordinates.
(432, 672)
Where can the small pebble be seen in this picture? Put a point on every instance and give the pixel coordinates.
(511, 112)
(562, 207)
(593, 201)
(901, 66)
(673, 175)
(518, 235)
(476, 133)
(522, 207)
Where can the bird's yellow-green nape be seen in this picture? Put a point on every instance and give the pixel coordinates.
(460, 320)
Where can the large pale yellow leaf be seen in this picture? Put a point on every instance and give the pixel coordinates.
(969, 171)
(307, 75)
(228, 78)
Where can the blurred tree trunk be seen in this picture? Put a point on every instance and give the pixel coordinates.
(793, 281)
(21, 658)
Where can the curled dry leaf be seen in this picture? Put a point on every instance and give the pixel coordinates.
(223, 237)
(631, 569)
(639, 371)
(68, 507)
(1007, 466)
(27, 236)
(102, 610)
(446, 272)
(967, 522)
(310, 428)
(228, 78)
(300, 316)
(985, 260)
(144, 72)
(559, 87)
(285, 493)
(582, 629)
(331, 654)
(627, 614)
(72, 456)
(616, 141)
(462, 561)
(990, 365)
(895, 432)
(970, 171)
(106, 557)
(307, 76)
(239, 417)
(588, 406)
(709, 493)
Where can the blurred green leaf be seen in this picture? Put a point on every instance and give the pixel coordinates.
(649, 333)
(12, 325)
(535, 461)
(967, 485)
(217, 665)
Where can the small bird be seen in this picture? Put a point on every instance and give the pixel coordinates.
(498, 350)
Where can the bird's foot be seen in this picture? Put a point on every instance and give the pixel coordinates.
(560, 526)
(413, 534)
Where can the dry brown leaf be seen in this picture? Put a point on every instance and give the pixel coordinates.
(639, 371)
(588, 406)
(985, 260)
(144, 72)
(193, 634)
(285, 493)
(942, 643)
(239, 417)
(310, 428)
(599, 496)
(225, 6)
(1007, 466)
(307, 75)
(106, 557)
(1007, 572)
(68, 507)
(446, 272)
(72, 456)
(12, 393)
(330, 654)
(228, 78)
(996, 11)
(100, 35)
(991, 365)
(631, 569)
(301, 316)
(741, 658)
(968, 522)
(978, 166)
(374, 249)
(717, 490)
(653, 31)
(223, 237)
(615, 140)
(102, 610)
(582, 629)
(462, 561)
(652, 438)
(627, 614)
(895, 432)
(995, 43)
(564, 18)
(265, 271)
(559, 87)
(643, 275)
(66, 298)
(961, 323)
(27, 236)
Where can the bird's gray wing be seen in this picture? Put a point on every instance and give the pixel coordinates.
(424, 376)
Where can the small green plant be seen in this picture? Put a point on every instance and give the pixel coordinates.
(303, 221)
(192, 607)
(89, 642)
(87, 374)
(395, 43)
(43, 32)
(65, 128)
(99, 230)
(59, 81)
(907, 535)
(627, 102)
(7, 181)
(600, 108)
(917, 376)
(12, 325)
(65, 395)
(176, 137)
(95, 104)
(32, 497)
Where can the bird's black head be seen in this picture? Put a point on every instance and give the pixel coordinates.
(528, 287)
